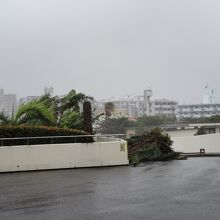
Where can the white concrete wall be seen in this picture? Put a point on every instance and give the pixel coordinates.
(182, 133)
(57, 156)
(193, 144)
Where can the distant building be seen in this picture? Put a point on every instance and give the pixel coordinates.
(164, 107)
(208, 108)
(28, 99)
(117, 113)
(137, 106)
(8, 103)
(47, 90)
(197, 110)
(123, 108)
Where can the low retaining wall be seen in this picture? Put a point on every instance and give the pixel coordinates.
(193, 144)
(61, 156)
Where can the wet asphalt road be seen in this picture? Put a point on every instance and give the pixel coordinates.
(166, 190)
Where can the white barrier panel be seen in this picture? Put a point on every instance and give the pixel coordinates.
(193, 144)
(59, 156)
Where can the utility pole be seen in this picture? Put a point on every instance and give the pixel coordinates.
(148, 93)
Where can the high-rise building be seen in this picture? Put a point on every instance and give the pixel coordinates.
(8, 103)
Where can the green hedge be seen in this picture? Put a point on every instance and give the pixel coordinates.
(40, 131)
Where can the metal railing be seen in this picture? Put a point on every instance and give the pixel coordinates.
(95, 138)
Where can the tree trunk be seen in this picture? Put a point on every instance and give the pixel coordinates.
(87, 114)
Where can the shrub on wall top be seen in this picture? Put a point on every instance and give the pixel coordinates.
(9, 131)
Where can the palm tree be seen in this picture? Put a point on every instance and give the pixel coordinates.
(71, 101)
(34, 112)
(70, 119)
(52, 102)
(67, 108)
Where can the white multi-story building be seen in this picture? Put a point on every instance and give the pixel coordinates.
(164, 107)
(208, 108)
(7, 103)
(198, 110)
(133, 107)
(123, 108)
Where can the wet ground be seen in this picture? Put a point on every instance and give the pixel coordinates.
(187, 189)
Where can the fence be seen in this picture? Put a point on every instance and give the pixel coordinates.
(61, 139)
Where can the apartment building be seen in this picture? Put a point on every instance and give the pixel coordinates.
(197, 110)
(8, 103)
(133, 107)
(208, 108)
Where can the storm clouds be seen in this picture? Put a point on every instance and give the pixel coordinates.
(110, 48)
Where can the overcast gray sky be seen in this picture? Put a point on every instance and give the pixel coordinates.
(110, 48)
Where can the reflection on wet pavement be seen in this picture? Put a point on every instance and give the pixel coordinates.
(164, 190)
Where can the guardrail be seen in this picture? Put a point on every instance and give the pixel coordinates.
(96, 138)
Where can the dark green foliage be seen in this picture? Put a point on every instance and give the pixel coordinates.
(211, 119)
(155, 120)
(4, 120)
(154, 145)
(115, 126)
(51, 102)
(87, 115)
(160, 120)
(71, 101)
(41, 131)
(34, 113)
(67, 109)
(119, 125)
(70, 119)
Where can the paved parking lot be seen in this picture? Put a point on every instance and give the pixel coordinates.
(166, 190)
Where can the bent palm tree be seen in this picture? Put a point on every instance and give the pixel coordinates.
(71, 101)
(34, 113)
(30, 113)
(52, 102)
